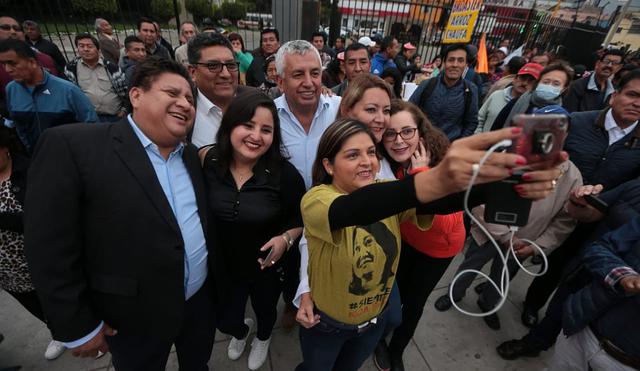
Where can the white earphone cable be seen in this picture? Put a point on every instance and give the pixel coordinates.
(503, 288)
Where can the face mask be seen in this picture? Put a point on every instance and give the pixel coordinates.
(548, 92)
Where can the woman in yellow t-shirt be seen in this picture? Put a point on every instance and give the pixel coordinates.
(352, 224)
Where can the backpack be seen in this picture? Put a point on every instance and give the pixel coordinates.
(431, 86)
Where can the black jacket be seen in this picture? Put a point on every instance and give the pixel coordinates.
(406, 68)
(581, 99)
(101, 239)
(600, 163)
(47, 47)
(255, 74)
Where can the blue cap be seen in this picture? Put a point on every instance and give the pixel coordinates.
(551, 109)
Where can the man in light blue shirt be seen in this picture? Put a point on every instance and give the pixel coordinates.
(117, 234)
(303, 111)
(304, 116)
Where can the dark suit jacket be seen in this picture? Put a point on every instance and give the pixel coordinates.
(100, 236)
(580, 99)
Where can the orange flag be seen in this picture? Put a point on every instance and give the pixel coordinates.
(483, 61)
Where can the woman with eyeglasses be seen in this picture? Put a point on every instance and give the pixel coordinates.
(412, 145)
(354, 243)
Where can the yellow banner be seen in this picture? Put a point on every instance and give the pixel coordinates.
(462, 20)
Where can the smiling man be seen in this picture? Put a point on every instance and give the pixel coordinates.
(304, 115)
(117, 234)
(450, 102)
(592, 93)
(304, 112)
(356, 62)
(102, 81)
(215, 72)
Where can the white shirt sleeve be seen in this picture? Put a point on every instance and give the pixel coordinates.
(303, 286)
(84, 340)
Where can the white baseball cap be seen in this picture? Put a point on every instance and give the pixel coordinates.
(366, 41)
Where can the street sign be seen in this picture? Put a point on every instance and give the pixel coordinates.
(462, 20)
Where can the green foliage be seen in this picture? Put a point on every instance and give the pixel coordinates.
(233, 11)
(162, 10)
(95, 7)
(200, 8)
(217, 12)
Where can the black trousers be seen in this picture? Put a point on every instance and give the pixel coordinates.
(264, 292)
(291, 267)
(194, 342)
(543, 286)
(417, 275)
(29, 300)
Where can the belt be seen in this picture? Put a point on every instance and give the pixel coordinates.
(349, 327)
(615, 352)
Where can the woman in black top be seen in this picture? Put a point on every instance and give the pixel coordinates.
(254, 194)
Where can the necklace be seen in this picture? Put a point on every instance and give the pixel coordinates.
(240, 177)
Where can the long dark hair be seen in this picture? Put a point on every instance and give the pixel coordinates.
(330, 144)
(241, 110)
(436, 142)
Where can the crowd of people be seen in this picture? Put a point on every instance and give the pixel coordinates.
(167, 187)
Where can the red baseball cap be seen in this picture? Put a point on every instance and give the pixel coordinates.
(532, 69)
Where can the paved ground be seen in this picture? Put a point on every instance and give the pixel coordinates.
(443, 341)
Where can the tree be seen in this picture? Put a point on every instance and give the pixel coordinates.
(95, 7)
(233, 11)
(200, 8)
(162, 10)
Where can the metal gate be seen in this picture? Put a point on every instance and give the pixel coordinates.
(60, 21)
(544, 24)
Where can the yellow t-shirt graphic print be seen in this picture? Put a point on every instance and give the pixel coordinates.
(351, 270)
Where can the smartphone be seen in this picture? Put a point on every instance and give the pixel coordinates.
(597, 203)
(541, 140)
(540, 143)
(504, 205)
(267, 259)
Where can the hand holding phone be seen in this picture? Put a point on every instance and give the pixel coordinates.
(541, 140)
(271, 252)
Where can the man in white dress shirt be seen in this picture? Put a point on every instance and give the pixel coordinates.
(215, 72)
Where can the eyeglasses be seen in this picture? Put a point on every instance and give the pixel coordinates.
(7, 27)
(406, 134)
(608, 62)
(216, 67)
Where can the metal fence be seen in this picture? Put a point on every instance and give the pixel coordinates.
(60, 21)
(543, 24)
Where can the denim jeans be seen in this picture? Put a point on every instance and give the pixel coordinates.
(325, 347)
(393, 315)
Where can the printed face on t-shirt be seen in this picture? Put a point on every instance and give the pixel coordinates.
(374, 251)
(365, 252)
